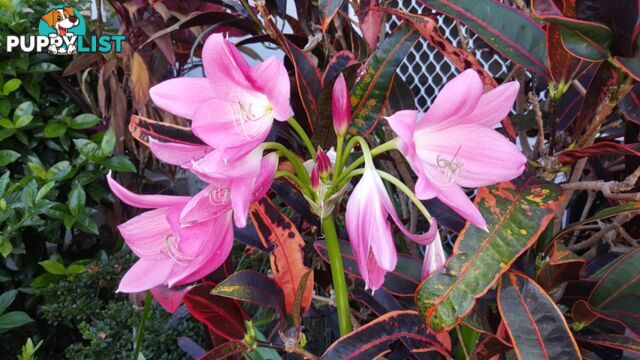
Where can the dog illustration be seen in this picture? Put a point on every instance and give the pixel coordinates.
(61, 20)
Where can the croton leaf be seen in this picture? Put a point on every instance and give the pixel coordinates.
(585, 314)
(508, 31)
(584, 39)
(329, 8)
(615, 341)
(562, 65)
(599, 149)
(516, 214)
(489, 346)
(287, 257)
(222, 315)
(630, 65)
(630, 104)
(599, 216)
(253, 287)
(144, 129)
(371, 340)
(536, 326)
(619, 287)
(563, 265)
(598, 92)
(403, 281)
(379, 302)
(369, 94)
(225, 350)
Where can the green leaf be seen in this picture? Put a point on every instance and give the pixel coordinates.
(5, 133)
(84, 121)
(44, 190)
(23, 121)
(26, 108)
(516, 214)
(77, 199)
(7, 124)
(593, 46)
(601, 215)
(89, 150)
(511, 33)
(329, 8)
(86, 224)
(619, 286)
(630, 65)
(535, 324)
(5, 107)
(59, 170)
(76, 269)
(120, 164)
(369, 95)
(44, 280)
(53, 267)
(54, 129)
(13, 320)
(43, 67)
(11, 86)
(7, 299)
(251, 286)
(4, 181)
(5, 247)
(108, 142)
(7, 157)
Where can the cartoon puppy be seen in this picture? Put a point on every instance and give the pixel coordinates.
(61, 20)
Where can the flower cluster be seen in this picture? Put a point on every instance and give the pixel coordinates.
(232, 110)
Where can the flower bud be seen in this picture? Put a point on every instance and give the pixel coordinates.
(315, 177)
(323, 164)
(340, 106)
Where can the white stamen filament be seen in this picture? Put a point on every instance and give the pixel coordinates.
(245, 117)
(171, 250)
(450, 169)
(219, 195)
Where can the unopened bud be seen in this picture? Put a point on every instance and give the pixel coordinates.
(340, 106)
(323, 164)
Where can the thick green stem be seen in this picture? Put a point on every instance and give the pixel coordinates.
(143, 321)
(303, 136)
(337, 274)
(337, 169)
(389, 145)
(295, 161)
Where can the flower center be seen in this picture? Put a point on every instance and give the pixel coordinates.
(219, 195)
(171, 250)
(248, 118)
(449, 169)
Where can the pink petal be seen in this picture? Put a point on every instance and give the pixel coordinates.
(144, 275)
(452, 195)
(459, 97)
(434, 257)
(223, 62)
(177, 154)
(424, 190)
(270, 77)
(403, 124)
(181, 96)
(145, 234)
(216, 166)
(241, 198)
(169, 299)
(217, 239)
(206, 204)
(493, 106)
(268, 168)
(484, 157)
(374, 277)
(217, 123)
(143, 201)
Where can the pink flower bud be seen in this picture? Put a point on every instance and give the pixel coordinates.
(323, 164)
(340, 106)
(315, 177)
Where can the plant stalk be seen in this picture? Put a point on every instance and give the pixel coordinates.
(143, 321)
(337, 274)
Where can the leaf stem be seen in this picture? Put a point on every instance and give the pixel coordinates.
(143, 321)
(303, 136)
(295, 161)
(389, 145)
(304, 187)
(337, 274)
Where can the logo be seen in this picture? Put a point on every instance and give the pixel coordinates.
(63, 31)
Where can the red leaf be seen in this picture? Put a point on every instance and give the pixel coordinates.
(287, 258)
(222, 315)
(599, 149)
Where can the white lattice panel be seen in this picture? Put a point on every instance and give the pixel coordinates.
(425, 69)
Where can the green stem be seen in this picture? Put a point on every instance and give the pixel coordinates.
(389, 145)
(295, 161)
(305, 188)
(303, 135)
(143, 321)
(337, 168)
(337, 274)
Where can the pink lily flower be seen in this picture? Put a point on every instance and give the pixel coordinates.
(234, 105)
(369, 229)
(170, 254)
(454, 146)
(434, 257)
(233, 184)
(169, 299)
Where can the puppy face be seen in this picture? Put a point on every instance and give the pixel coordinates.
(61, 18)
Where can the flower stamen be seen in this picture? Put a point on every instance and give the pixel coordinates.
(245, 118)
(171, 250)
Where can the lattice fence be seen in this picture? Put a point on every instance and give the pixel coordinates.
(425, 69)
